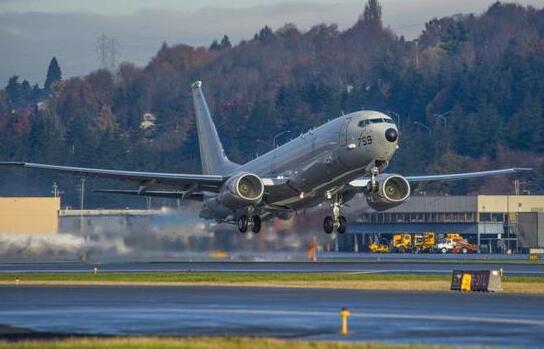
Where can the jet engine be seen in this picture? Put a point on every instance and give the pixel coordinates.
(241, 190)
(392, 190)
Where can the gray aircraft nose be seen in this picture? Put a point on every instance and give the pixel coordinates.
(391, 135)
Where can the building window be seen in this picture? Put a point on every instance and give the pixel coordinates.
(491, 217)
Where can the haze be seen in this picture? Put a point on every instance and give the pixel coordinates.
(32, 31)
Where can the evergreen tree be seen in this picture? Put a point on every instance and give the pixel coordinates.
(215, 46)
(225, 42)
(14, 91)
(266, 35)
(54, 73)
(372, 16)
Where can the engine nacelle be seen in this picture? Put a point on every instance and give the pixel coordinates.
(241, 190)
(392, 191)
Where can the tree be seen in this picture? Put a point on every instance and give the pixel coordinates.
(215, 46)
(225, 42)
(372, 16)
(54, 73)
(266, 35)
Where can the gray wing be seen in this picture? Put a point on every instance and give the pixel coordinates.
(363, 181)
(184, 195)
(144, 179)
(466, 175)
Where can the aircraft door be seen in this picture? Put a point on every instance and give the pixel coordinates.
(343, 132)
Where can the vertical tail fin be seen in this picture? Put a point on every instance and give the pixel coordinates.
(212, 155)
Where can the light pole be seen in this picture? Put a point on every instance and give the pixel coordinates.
(266, 144)
(443, 117)
(398, 118)
(420, 124)
(274, 142)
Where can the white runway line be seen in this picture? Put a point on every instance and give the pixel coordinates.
(284, 313)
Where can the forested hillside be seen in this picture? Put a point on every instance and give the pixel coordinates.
(468, 93)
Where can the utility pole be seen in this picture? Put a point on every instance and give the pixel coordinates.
(55, 190)
(81, 204)
(82, 194)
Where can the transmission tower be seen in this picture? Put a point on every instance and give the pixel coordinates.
(107, 50)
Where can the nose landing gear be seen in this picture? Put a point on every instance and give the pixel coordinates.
(336, 221)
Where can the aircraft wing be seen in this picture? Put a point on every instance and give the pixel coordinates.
(362, 182)
(466, 175)
(185, 195)
(144, 179)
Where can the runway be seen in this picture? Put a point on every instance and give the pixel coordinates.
(387, 266)
(311, 314)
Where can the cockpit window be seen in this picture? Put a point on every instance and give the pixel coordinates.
(364, 123)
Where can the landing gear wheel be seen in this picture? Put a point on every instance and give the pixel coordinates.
(257, 223)
(328, 225)
(342, 225)
(243, 224)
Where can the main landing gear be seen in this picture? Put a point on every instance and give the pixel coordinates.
(336, 221)
(253, 223)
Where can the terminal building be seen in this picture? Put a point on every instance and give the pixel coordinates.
(496, 223)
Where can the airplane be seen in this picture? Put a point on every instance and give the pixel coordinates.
(331, 163)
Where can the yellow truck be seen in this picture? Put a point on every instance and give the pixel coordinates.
(425, 242)
(378, 247)
(454, 236)
(401, 243)
(417, 243)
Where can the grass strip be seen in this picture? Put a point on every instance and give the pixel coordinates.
(354, 281)
(206, 277)
(195, 343)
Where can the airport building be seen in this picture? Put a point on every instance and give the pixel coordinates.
(36, 216)
(497, 224)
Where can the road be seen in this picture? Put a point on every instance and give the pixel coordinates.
(311, 314)
(388, 266)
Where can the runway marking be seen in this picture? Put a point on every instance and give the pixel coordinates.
(266, 312)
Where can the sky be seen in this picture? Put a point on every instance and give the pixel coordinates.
(33, 31)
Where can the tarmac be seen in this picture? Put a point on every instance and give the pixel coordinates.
(359, 266)
(309, 314)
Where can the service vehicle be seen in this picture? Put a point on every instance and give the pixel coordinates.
(379, 247)
(456, 246)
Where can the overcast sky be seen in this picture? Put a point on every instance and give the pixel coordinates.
(32, 31)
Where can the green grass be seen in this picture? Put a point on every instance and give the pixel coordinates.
(203, 277)
(194, 343)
